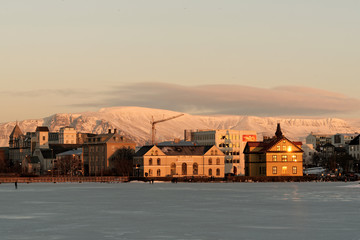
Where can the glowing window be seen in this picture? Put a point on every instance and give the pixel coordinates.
(274, 158)
(284, 170)
(274, 170)
(284, 158)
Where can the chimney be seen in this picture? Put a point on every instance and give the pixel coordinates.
(109, 131)
(115, 130)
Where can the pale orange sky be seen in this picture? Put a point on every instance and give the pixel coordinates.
(65, 56)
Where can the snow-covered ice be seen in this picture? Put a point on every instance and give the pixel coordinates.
(180, 211)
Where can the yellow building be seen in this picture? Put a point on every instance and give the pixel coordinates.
(277, 156)
(179, 161)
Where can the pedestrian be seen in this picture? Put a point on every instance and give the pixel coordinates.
(16, 185)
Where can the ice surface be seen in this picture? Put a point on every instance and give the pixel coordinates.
(180, 211)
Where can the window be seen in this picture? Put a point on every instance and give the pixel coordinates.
(150, 161)
(284, 158)
(278, 148)
(184, 169)
(43, 138)
(195, 169)
(294, 158)
(217, 172)
(173, 169)
(274, 170)
(150, 172)
(284, 148)
(274, 158)
(216, 152)
(218, 161)
(210, 161)
(284, 170)
(158, 161)
(294, 170)
(158, 173)
(210, 172)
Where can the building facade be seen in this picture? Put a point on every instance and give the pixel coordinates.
(98, 150)
(275, 157)
(343, 139)
(179, 161)
(230, 142)
(67, 135)
(317, 139)
(354, 148)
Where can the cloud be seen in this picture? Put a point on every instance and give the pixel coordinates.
(206, 99)
(232, 99)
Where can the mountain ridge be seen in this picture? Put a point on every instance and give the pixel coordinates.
(134, 123)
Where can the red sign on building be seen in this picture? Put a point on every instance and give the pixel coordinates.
(249, 138)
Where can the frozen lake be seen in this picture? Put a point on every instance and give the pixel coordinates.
(180, 211)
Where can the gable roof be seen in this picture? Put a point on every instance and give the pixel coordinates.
(16, 132)
(263, 147)
(355, 141)
(177, 150)
(143, 150)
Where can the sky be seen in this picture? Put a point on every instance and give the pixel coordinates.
(249, 57)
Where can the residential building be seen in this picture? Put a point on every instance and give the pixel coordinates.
(47, 156)
(31, 165)
(308, 155)
(98, 150)
(343, 139)
(318, 139)
(69, 163)
(354, 148)
(274, 157)
(230, 142)
(179, 161)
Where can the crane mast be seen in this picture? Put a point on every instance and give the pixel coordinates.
(153, 123)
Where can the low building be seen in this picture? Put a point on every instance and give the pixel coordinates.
(98, 151)
(31, 165)
(69, 163)
(277, 156)
(230, 142)
(179, 161)
(308, 155)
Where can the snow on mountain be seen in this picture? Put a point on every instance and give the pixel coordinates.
(134, 122)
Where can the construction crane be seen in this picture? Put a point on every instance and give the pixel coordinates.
(159, 121)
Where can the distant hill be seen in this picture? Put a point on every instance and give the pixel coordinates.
(134, 122)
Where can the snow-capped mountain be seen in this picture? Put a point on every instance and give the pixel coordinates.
(134, 122)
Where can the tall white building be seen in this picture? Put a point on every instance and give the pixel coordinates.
(230, 142)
